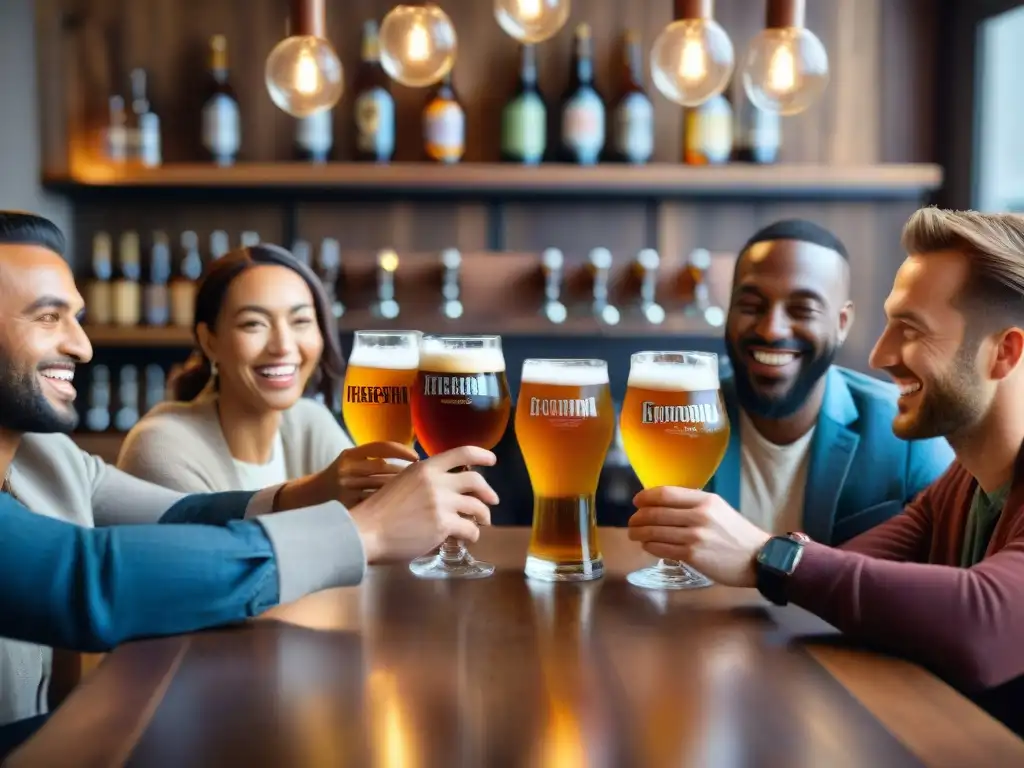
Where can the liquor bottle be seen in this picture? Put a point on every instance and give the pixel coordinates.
(144, 134)
(97, 415)
(314, 137)
(156, 297)
(374, 104)
(184, 283)
(707, 132)
(98, 301)
(219, 243)
(758, 134)
(328, 269)
(125, 291)
(115, 144)
(634, 114)
(444, 124)
(127, 414)
(582, 106)
(155, 386)
(524, 122)
(221, 123)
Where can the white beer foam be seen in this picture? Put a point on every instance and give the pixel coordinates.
(549, 372)
(673, 377)
(388, 358)
(439, 359)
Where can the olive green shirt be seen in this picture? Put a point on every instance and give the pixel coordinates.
(981, 522)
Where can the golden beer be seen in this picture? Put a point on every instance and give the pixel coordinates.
(564, 426)
(377, 402)
(675, 431)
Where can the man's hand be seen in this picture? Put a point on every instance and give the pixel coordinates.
(701, 530)
(424, 504)
(360, 471)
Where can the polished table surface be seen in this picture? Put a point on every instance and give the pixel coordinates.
(506, 672)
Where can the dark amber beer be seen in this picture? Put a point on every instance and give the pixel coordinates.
(675, 431)
(460, 398)
(564, 425)
(461, 395)
(379, 380)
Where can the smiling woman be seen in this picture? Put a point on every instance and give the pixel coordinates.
(265, 337)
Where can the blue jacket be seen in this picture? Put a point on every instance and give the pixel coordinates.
(860, 474)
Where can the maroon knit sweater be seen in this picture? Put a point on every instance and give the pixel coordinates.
(900, 586)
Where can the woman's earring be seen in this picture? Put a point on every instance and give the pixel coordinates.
(213, 369)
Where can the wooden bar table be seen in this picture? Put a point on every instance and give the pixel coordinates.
(507, 672)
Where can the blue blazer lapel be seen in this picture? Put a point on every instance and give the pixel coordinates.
(832, 450)
(726, 482)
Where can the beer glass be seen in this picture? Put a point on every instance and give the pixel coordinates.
(675, 431)
(564, 425)
(460, 398)
(380, 375)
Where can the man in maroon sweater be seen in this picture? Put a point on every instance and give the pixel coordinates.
(942, 582)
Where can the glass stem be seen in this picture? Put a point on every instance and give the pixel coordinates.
(452, 549)
(667, 563)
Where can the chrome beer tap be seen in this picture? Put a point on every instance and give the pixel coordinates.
(387, 265)
(600, 261)
(553, 263)
(698, 265)
(451, 260)
(330, 263)
(646, 265)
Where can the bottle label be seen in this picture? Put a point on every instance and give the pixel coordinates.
(524, 129)
(715, 130)
(634, 128)
(221, 132)
(149, 140)
(583, 126)
(313, 134)
(758, 131)
(375, 123)
(444, 129)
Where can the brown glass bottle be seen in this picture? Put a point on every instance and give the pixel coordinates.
(633, 123)
(222, 135)
(444, 124)
(374, 110)
(583, 111)
(126, 293)
(185, 281)
(98, 299)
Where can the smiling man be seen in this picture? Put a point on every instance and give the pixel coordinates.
(942, 582)
(811, 447)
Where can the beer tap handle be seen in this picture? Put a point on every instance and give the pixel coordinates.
(700, 265)
(451, 260)
(647, 264)
(302, 251)
(387, 265)
(600, 266)
(249, 238)
(553, 263)
(330, 262)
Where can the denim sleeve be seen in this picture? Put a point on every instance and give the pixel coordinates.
(89, 589)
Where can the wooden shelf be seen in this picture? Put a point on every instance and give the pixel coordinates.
(676, 324)
(496, 180)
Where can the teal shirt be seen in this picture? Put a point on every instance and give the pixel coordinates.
(981, 522)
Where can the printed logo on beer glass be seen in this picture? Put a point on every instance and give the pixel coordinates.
(377, 395)
(682, 418)
(564, 412)
(458, 389)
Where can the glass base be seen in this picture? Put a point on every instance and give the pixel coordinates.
(546, 570)
(668, 576)
(437, 566)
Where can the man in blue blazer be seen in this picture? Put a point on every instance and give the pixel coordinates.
(812, 447)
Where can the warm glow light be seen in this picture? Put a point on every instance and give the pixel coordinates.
(304, 75)
(418, 44)
(307, 80)
(786, 70)
(782, 71)
(393, 745)
(418, 47)
(529, 10)
(388, 261)
(691, 64)
(531, 21)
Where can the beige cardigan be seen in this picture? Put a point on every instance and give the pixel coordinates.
(181, 445)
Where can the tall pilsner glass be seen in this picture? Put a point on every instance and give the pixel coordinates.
(564, 425)
(675, 431)
(460, 398)
(379, 380)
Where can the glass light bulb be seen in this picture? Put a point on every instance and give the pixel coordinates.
(304, 75)
(417, 44)
(786, 70)
(531, 21)
(692, 61)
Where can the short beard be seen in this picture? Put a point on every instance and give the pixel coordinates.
(24, 408)
(783, 406)
(952, 403)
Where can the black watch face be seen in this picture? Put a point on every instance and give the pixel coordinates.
(780, 555)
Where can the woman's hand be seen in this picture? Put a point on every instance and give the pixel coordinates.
(358, 472)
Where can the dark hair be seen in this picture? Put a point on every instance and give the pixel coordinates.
(212, 289)
(19, 228)
(798, 229)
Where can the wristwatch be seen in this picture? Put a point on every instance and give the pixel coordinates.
(775, 563)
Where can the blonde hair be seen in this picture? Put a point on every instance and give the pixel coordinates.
(994, 243)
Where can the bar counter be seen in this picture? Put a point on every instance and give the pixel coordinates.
(508, 672)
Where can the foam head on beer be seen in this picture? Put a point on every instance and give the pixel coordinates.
(434, 356)
(386, 358)
(674, 376)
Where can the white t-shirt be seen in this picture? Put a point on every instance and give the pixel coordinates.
(257, 476)
(772, 479)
